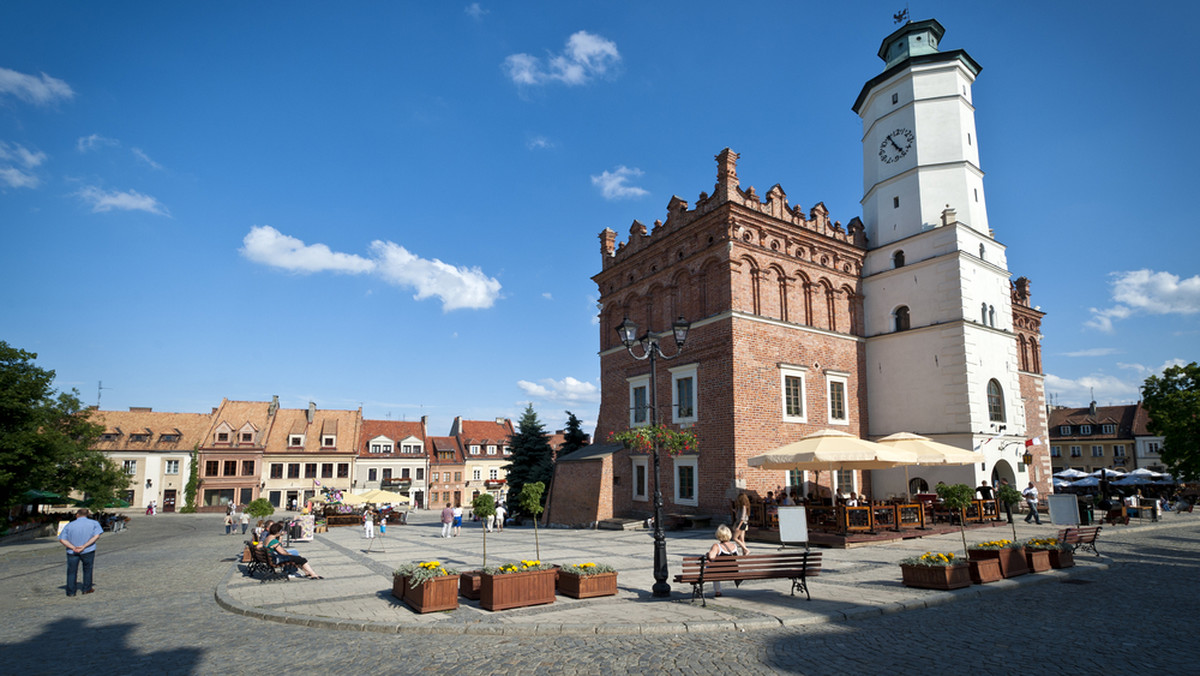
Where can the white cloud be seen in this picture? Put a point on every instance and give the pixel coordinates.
(615, 184)
(137, 152)
(266, 245)
(539, 143)
(94, 142)
(585, 57)
(475, 11)
(130, 200)
(548, 296)
(17, 163)
(566, 391)
(1147, 292)
(1147, 371)
(456, 286)
(1079, 391)
(1091, 352)
(32, 89)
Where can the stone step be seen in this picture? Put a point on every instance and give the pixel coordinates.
(620, 524)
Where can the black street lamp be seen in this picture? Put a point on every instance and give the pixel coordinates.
(652, 350)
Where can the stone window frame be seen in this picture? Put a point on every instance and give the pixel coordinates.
(831, 378)
(681, 373)
(635, 383)
(792, 371)
(692, 462)
(643, 462)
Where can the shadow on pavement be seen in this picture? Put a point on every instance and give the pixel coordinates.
(73, 641)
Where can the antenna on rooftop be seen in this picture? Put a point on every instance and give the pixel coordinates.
(901, 16)
(99, 390)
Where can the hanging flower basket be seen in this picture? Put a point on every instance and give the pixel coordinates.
(587, 580)
(513, 585)
(644, 439)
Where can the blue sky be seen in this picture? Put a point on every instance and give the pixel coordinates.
(396, 205)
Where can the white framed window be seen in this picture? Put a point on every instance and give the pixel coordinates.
(641, 479)
(1056, 451)
(1097, 451)
(683, 393)
(171, 467)
(796, 478)
(130, 466)
(494, 473)
(507, 450)
(295, 440)
(844, 478)
(1152, 447)
(1119, 450)
(836, 388)
(1064, 430)
(639, 401)
(328, 441)
(1076, 451)
(1108, 429)
(793, 397)
(995, 401)
(1085, 429)
(687, 480)
(491, 449)
(476, 475)
(474, 449)
(436, 476)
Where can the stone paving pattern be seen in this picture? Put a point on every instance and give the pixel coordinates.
(166, 589)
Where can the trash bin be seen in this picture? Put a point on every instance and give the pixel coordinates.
(1086, 516)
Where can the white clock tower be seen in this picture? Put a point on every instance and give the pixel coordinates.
(941, 355)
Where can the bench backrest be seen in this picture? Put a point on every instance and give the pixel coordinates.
(1073, 536)
(752, 565)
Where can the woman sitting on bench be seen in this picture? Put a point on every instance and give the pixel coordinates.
(723, 547)
(282, 556)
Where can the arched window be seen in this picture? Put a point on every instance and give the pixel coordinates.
(995, 397)
(898, 259)
(902, 321)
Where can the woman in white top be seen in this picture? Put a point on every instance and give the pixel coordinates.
(724, 546)
(368, 524)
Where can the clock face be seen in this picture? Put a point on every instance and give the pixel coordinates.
(895, 145)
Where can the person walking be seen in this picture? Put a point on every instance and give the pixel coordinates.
(741, 520)
(79, 537)
(245, 522)
(501, 512)
(457, 520)
(1031, 499)
(447, 520)
(228, 522)
(368, 524)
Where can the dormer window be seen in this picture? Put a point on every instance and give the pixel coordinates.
(247, 438)
(222, 437)
(139, 437)
(109, 436)
(1108, 429)
(1064, 430)
(491, 449)
(328, 442)
(474, 449)
(169, 438)
(1085, 429)
(507, 450)
(296, 441)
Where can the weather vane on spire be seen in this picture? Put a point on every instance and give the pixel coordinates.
(901, 16)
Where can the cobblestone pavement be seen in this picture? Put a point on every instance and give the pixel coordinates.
(154, 612)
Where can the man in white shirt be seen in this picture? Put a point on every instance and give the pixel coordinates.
(1031, 499)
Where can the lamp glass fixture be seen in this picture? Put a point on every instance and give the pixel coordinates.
(628, 332)
(680, 327)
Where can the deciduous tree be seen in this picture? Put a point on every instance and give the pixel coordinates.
(1173, 402)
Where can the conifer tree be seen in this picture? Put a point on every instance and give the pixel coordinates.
(530, 460)
(575, 438)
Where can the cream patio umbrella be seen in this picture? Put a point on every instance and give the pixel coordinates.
(930, 452)
(380, 496)
(830, 450)
(352, 499)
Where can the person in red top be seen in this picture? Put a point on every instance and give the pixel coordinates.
(447, 520)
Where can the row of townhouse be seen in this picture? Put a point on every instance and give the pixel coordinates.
(249, 449)
(1098, 437)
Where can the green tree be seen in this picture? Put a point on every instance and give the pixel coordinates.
(530, 500)
(1008, 495)
(193, 483)
(260, 508)
(575, 438)
(531, 456)
(46, 437)
(1173, 402)
(957, 498)
(484, 506)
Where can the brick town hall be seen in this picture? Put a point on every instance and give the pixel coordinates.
(902, 321)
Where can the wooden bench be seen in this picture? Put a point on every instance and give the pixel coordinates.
(1080, 538)
(262, 564)
(796, 566)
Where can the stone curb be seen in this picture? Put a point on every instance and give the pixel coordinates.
(225, 600)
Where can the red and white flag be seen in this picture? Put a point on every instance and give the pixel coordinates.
(1036, 441)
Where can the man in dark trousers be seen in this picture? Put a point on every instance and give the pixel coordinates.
(79, 537)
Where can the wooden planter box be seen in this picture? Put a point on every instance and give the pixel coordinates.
(936, 577)
(1061, 559)
(1038, 560)
(587, 586)
(984, 571)
(468, 584)
(516, 590)
(439, 593)
(1012, 561)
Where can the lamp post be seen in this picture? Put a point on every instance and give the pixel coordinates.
(652, 350)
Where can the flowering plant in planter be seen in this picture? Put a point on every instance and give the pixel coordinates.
(995, 545)
(644, 439)
(519, 567)
(1049, 544)
(931, 559)
(419, 572)
(588, 569)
